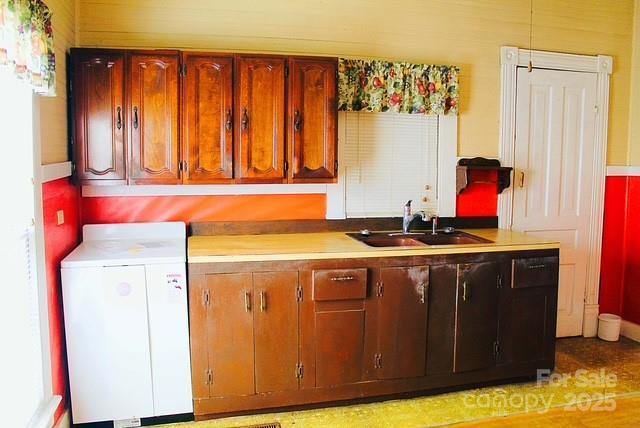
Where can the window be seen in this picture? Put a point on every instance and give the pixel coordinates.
(387, 159)
(21, 369)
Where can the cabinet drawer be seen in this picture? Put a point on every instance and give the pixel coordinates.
(340, 284)
(535, 272)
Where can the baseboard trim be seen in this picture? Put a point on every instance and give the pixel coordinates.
(630, 330)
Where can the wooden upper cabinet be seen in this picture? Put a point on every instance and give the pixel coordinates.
(208, 118)
(98, 97)
(312, 119)
(153, 118)
(260, 119)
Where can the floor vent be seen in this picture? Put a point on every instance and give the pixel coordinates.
(269, 425)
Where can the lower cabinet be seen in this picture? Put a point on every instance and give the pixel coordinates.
(244, 333)
(274, 334)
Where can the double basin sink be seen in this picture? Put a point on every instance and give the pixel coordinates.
(416, 239)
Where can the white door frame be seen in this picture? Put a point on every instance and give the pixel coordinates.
(511, 58)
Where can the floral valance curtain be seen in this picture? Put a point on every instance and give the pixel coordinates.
(26, 43)
(379, 86)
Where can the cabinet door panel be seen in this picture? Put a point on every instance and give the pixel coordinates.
(339, 347)
(476, 316)
(230, 334)
(402, 322)
(442, 319)
(98, 87)
(153, 117)
(208, 119)
(259, 119)
(312, 119)
(527, 330)
(276, 331)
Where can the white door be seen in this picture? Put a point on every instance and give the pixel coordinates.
(553, 175)
(105, 314)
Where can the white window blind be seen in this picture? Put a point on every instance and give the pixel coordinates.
(389, 159)
(21, 367)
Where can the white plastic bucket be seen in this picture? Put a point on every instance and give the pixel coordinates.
(609, 327)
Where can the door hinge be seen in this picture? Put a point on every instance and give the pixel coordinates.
(299, 293)
(183, 70)
(335, 166)
(299, 370)
(496, 348)
(379, 289)
(206, 298)
(286, 166)
(595, 109)
(377, 361)
(499, 281)
(209, 377)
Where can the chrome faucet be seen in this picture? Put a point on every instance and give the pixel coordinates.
(408, 217)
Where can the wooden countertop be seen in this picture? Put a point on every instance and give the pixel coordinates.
(337, 245)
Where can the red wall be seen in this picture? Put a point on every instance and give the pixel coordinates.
(480, 198)
(620, 269)
(59, 241)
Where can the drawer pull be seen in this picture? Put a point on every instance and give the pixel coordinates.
(342, 278)
(537, 266)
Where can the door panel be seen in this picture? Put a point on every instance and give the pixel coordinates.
(312, 119)
(442, 320)
(259, 119)
(402, 322)
(98, 87)
(208, 118)
(339, 346)
(153, 118)
(230, 329)
(476, 316)
(276, 331)
(554, 152)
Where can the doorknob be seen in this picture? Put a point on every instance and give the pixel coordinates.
(521, 179)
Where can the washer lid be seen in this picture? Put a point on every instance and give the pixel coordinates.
(118, 252)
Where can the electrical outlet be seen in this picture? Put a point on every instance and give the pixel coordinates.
(60, 217)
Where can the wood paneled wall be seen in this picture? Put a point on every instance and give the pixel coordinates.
(468, 33)
(53, 110)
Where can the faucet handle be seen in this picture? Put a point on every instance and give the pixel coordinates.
(408, 204)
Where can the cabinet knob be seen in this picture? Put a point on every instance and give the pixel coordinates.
(229, 122)
(135, 118)
(119, 118)
(297, 121)
(245, 119)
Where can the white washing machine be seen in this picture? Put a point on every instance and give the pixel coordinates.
(125, 311)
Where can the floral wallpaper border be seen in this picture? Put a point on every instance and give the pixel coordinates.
(401, 87)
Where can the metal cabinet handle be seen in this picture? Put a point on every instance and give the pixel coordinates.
(521, 179)
(119, 119)
(263, 301)
(341, 278)
(423, 293)
(465, 291)
(229, 123)
(247, 301)
(297, 121)
(541, 266)
(245, 119)
(135, 118)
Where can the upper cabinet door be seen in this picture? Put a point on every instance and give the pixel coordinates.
(312, 115)
(153, 118)
(98, 96)
(208, 119)
(259, 119)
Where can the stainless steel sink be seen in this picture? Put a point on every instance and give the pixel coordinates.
(416, 239)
